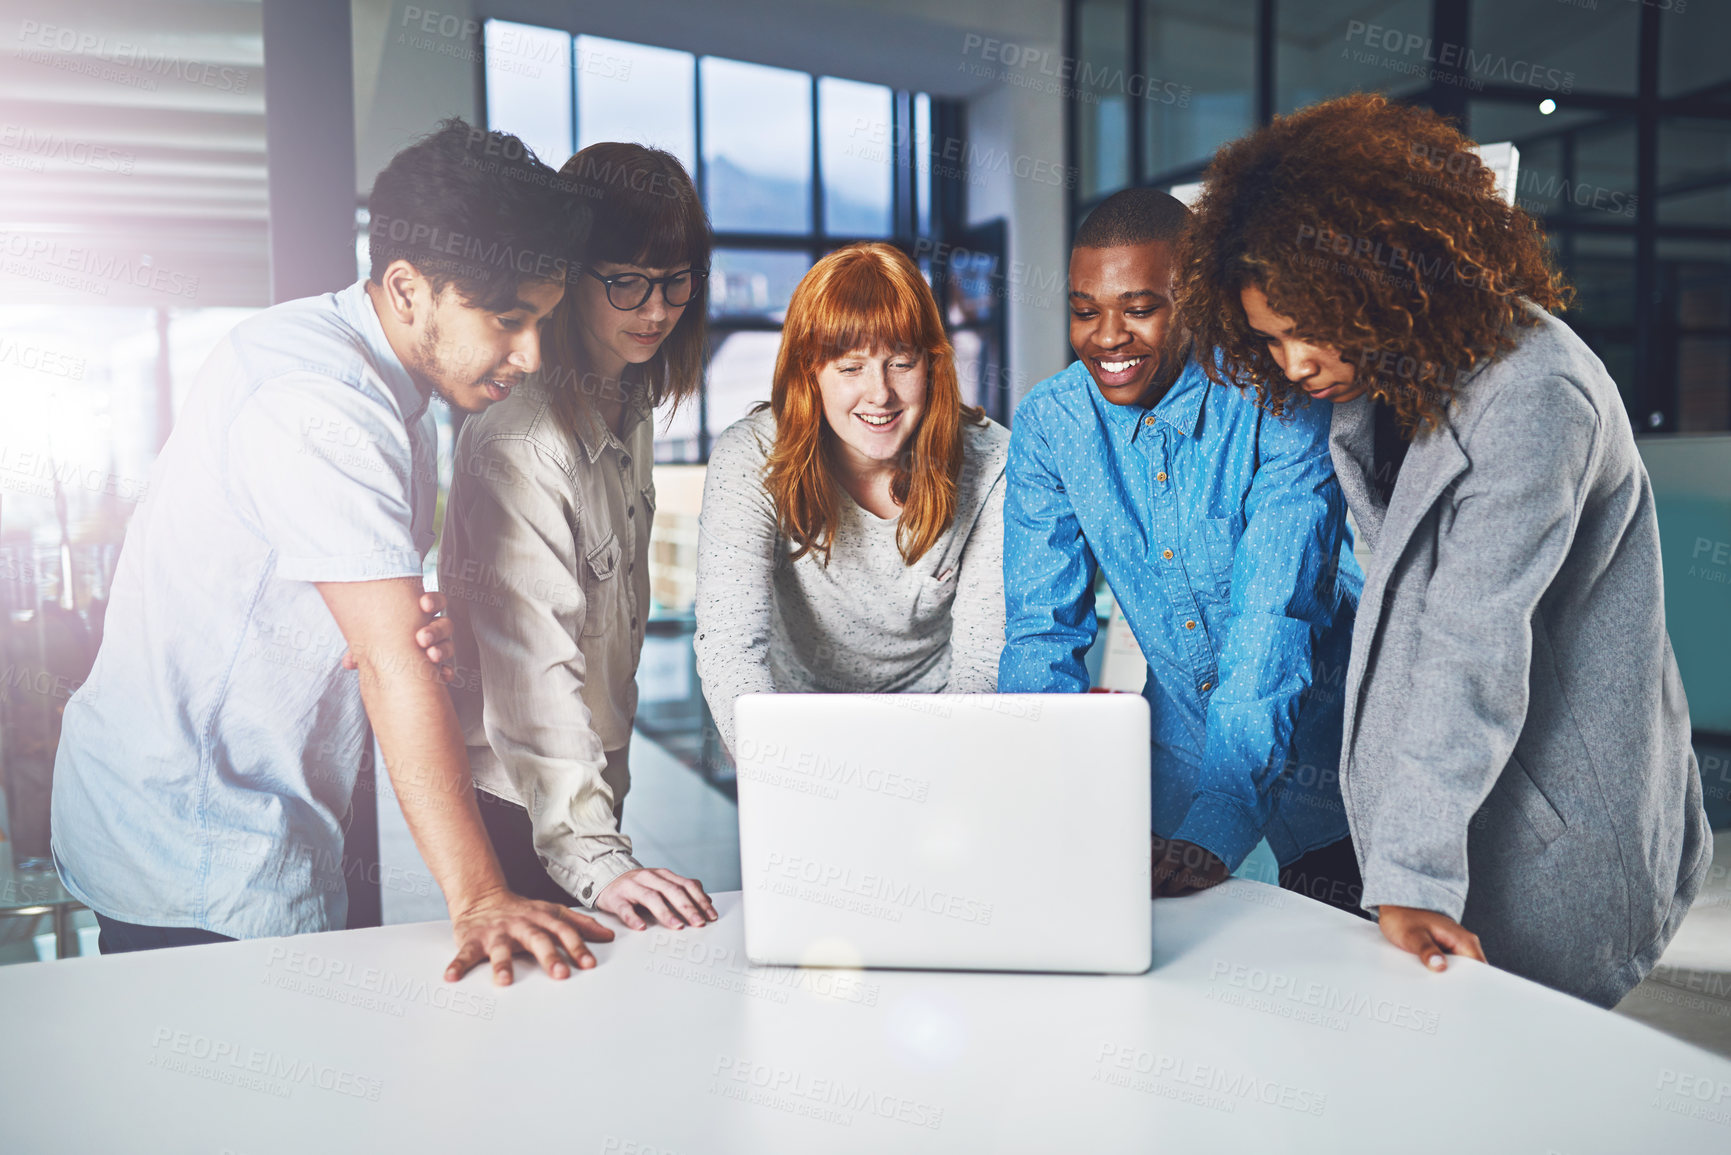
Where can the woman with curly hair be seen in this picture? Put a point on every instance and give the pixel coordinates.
(1514, 718)
(851, 538)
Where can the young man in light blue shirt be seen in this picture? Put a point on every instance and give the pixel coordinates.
(1220, 529)
(268, 596)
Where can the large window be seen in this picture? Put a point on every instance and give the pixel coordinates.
(1634, 191)
(790, 165)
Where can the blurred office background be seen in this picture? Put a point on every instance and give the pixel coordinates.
(159, 183)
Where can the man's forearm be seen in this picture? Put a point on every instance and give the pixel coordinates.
(429, 769)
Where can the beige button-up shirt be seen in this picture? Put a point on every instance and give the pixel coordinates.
(545, 565)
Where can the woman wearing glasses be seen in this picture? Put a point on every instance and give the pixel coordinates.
(545, 556)
(851, 538)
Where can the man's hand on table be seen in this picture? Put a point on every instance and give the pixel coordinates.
(1182, 868)
(661, 893)
(434, 637)
(1429, 934)
(502, 924)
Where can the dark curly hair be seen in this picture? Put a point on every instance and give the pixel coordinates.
(476, 210)
(1378, 230)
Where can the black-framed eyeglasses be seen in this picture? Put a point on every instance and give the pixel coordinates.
(628, 291)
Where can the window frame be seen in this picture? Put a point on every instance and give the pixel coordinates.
(1653, 398)
(905, 231)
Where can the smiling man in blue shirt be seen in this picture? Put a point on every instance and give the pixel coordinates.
(1221, 531)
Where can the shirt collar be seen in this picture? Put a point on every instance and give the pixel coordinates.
(1180, 408)
(592, 432)
(356, 308)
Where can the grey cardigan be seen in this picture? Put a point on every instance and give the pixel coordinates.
(1514, 716)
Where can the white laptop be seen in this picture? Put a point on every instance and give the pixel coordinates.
(949, 831)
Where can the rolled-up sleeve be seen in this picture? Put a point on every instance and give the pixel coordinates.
(1281, 603)
(1049, 621)
(736, 543)
(514, 576)
(322, 471)
(1516, 512)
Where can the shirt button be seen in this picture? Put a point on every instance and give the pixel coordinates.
(1148, 420)
(588, 889)
(631, 511)
(625, 461)
(632, 568)
(1161, 476)
(1205, 686)
(1191, 626)
(1167, 554)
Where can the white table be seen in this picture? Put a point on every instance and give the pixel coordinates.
(1269, 1023)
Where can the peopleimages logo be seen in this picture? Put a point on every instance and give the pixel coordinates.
(1216, 1087)
(133, 65)
(256, 1068)
(771, 762)
(1479, 67)
(884, 897)
(436, 241)
(830, 1100)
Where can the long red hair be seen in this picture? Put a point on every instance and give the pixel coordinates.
(864, 296)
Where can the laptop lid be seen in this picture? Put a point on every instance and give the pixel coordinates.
(950, 831)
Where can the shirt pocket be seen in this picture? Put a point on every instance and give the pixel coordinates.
(1213, 544)
(937, 591)
(601, 586)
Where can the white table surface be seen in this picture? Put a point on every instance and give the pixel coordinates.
(1269, 1023)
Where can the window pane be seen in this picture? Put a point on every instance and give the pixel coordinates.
(528, 83)
(1573, 163)
(1692, 50)
(1698, 275)
(1200, 91)
(1325, 48)
(1602, 270)
(858, 150)
(756, 146)
(1102, 116)
(636, 93)
(676, 435)
(741, 372)
(1553, 49)
(1695, 172)
(754, 282)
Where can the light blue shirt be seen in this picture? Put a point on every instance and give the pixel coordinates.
(206, 766)
(1218, 528)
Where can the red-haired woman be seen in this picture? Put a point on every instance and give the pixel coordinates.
(1516, 763)
(851, 538)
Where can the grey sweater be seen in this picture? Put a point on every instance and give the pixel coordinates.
(1516, 751)
(864, 623)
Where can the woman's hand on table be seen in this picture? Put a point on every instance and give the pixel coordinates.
(672, 900)
(1429, 934)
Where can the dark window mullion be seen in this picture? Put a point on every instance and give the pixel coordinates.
(703, 199)
(817, 221)
(1135, 123)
